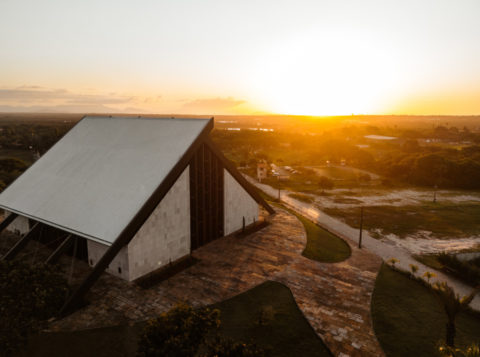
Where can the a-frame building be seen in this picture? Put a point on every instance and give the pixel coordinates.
(140, 193)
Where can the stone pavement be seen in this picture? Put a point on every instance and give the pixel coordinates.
(335, 298)
(383, 249)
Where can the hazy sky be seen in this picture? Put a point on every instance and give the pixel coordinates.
(225, 57)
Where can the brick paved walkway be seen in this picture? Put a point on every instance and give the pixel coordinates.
(335, 298)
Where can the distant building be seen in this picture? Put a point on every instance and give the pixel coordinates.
(135, 194)
(380, 137)
(262, 170)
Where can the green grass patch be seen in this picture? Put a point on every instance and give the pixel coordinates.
(466, 271)
(24, 155)
(322, 245)
(101, 342)
(301, 197)
(410, 321)
(347, 200)
(442, 219)
(269, 316)
(430, 260)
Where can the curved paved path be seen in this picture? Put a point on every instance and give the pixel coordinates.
(335, 298)
(383, 249)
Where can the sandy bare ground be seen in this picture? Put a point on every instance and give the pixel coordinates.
(421, 242)
(403, 197)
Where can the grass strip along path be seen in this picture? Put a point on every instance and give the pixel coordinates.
(322, 245)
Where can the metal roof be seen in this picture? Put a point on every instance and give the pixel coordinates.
(95, 179)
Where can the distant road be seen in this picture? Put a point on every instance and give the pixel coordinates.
(384, 249)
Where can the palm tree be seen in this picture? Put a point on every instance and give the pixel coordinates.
(392, 262)
(453, 304)
(429, 275)
(413, 268)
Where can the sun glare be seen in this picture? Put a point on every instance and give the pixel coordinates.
(329, 75)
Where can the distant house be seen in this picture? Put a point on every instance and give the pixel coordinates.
(380, 138)
(135, 194)
(262, 170)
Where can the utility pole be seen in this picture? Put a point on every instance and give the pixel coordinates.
(435, 194)
(279, 193)
(361, 228)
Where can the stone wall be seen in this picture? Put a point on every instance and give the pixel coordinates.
(238, 204)
(19, 225)
(165, 236)
(118, 266)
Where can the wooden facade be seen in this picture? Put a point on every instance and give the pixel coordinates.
(206, 197)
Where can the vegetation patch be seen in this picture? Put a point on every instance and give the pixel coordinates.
(347, 200)
(409, 320)
(322, 246)
(29, 295)
(442, 219)
(301, 197)
(466, 271)
(266, 319)
(268, 316)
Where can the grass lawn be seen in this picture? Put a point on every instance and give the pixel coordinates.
(24, 155)
(442, 219)
(102, 342)
(285, 331)
(430, 260)
(301, 197)
(410, 321)
(322, 245)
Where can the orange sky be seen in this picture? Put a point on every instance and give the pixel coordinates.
(241, 57)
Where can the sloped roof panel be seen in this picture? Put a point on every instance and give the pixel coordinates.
(96, 178)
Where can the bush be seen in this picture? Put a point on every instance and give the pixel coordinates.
(466, 271)
(178, 332)
(222, 347)
(29, 295)
(325, 183)
(187, 332)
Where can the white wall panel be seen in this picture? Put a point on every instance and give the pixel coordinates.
(165, 235)
(19, 225)
(118, 266)
(238, 204)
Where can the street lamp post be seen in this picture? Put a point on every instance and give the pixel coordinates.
(361, 229)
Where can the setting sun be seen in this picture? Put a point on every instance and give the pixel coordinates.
(326, 74)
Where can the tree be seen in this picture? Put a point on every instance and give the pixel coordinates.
(187, 332)
(453, 305)
(393, 261)
(325, 183)
(429, 275)
(225, 347)
(413, 268)
(29, 295)
(178, 332)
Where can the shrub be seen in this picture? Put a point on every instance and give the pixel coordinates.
(325, 183)
(178, 332)
(471, 351)
(29, 295)
(466, 271)
(225, 347)
(186, 332)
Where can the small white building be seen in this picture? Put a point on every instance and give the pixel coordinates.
(140, 193)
